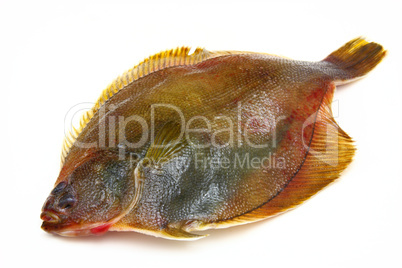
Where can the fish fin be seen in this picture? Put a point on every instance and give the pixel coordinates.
(167, 143)
(331, 150)
(180, 56)
(178, 233)
(170, 232)
(355, 59)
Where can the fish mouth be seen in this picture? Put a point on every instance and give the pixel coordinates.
(53, 225)
(52, 222)
(50, 217)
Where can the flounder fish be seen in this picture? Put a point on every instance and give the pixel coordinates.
(189, 140)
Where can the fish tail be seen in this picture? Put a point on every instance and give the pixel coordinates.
(355, 59)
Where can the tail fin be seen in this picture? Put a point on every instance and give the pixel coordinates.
(355, 59)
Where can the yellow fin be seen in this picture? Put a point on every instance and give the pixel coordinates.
(355, 59)
(174, 57)
(167, 144)
(180, 234)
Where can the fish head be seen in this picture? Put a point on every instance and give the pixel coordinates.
(95, 195)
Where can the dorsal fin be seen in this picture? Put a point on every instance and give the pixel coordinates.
(169, 58)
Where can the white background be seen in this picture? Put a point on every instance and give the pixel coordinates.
(56, 55)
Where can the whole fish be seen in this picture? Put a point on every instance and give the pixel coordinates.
(193, 140)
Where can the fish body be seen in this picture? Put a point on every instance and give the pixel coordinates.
(187, 142)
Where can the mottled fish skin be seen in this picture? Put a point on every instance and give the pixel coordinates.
(271, 143)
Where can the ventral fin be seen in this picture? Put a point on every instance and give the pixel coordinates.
(177, 233)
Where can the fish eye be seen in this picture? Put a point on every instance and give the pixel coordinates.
(58, 188)
(66, 201)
